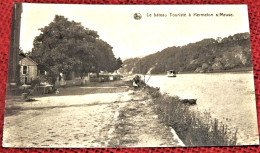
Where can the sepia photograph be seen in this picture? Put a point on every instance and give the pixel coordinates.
(119, 76)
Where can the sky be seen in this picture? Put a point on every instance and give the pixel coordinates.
(129, 37)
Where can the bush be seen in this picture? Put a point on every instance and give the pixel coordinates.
(193, 128)
(35, 82)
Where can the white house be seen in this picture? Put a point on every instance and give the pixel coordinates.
(28, 69)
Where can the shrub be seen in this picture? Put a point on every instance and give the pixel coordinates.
(193, 127)
(35, 82)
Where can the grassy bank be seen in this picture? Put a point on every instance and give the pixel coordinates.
(193, 128)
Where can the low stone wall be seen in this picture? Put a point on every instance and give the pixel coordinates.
(105, 78)
(74, 82)
(68, 83)
(85, 80)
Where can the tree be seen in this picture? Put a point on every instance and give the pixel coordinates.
(106, 60)
(65, 46)
(119, 63)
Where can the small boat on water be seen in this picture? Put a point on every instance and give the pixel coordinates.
(171, 73)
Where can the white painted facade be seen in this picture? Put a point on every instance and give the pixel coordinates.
(28, 70)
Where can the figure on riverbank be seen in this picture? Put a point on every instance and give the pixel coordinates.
(136, 81)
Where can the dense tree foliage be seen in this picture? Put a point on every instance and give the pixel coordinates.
(65, 46)
(204, 56)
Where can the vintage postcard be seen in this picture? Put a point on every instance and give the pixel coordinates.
(101, 76)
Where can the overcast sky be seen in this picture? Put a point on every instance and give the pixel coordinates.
(116, 25)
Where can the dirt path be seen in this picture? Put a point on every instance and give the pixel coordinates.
(136, 125)
(86, 117)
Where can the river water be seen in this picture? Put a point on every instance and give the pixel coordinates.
(229, 97)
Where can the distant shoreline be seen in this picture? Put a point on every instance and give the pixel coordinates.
(237, 70)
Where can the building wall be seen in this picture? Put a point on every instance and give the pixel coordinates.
(28, 74)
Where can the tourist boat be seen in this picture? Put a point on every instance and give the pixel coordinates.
(171, 73)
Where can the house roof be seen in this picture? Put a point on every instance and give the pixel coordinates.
(22, 55)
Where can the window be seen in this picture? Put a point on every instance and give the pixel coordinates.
(25, 69)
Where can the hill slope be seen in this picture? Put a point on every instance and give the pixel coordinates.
(207, 55)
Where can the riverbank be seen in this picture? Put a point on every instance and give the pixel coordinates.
(229, 97)
(109, 114)
(193, 128)
(235, 70)
(128, 112)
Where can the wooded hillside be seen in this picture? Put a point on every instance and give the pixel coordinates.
(208, 55)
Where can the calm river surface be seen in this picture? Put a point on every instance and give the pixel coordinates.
(229, 97)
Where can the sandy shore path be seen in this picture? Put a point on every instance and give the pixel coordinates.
(102, 115)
